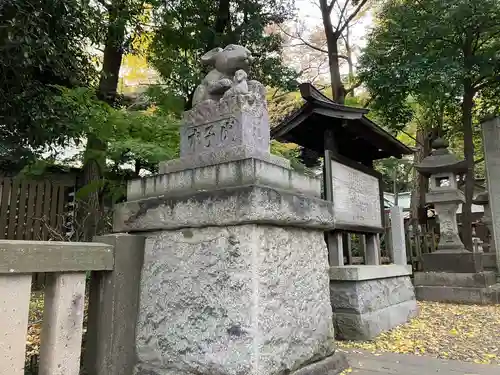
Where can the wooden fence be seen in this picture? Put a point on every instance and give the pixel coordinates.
(31, 209)
(35, 210)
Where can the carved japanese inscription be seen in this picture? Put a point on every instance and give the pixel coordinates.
(209, 136)
(356, 197)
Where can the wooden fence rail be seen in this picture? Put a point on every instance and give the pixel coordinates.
(62, 326)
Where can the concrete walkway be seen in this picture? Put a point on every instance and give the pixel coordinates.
(365, 363)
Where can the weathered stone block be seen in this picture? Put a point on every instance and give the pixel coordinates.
(370, 295)
(229, 174)
(233, 121)
(367, 326)
(364, 309)
(247, 299)
(464, 262)
(229, 206)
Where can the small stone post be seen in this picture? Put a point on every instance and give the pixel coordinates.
(483, 199)
(398, 236)
(491, 144)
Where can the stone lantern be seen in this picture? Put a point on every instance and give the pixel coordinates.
(483, 199)
(443, 168)
(452, 273)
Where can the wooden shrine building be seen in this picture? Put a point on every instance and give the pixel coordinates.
(346, 138)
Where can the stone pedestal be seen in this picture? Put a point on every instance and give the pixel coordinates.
(235, 279)
(369, 300)
(473, 288)
(456, 278)
(235, 276)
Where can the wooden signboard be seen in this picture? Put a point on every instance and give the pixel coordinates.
(356, 193)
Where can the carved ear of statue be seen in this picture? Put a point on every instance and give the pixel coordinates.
(209, 57)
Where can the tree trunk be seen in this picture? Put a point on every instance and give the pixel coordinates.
(349, 60)
(338, 91)
(95, 154)
(468, 102)
(222, 21)
(420, 187)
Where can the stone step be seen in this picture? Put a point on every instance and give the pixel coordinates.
(470, 280)
(482, 296)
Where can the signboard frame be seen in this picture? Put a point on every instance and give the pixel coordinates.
(355, 228)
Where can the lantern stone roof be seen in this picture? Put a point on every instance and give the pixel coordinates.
(357, 137)
(441, 160)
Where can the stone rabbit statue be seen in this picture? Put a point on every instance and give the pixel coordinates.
(240, 85)
(226, 62)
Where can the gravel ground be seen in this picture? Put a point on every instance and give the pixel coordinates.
(463, 332)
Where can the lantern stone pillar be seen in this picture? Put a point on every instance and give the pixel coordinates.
(452, 273)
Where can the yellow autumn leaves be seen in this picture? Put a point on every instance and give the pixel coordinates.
(463, 332)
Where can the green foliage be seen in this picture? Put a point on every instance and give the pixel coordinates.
(431, 51)
(140, 137)
(188, 29)
(396, 174)
(42, 44)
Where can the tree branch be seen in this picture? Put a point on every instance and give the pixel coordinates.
(331, 5)
(485, 82)
(353, 87)
(319, 49)
(305, 42)
(353, 14)
(341, 15)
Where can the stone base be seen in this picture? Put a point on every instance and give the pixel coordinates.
(467, 288)
(222, 156)
(490, 261)
(332, 365)
(229, 174)
(364, 308)
(463, 262)
(476, 296)
(246, 299)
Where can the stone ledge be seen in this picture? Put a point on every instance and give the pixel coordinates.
(234, 153)
(233, 173)
(352, 326)
(479, 280)
(481, 296)
(332, 365)
(249, 204)
(362, 272)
